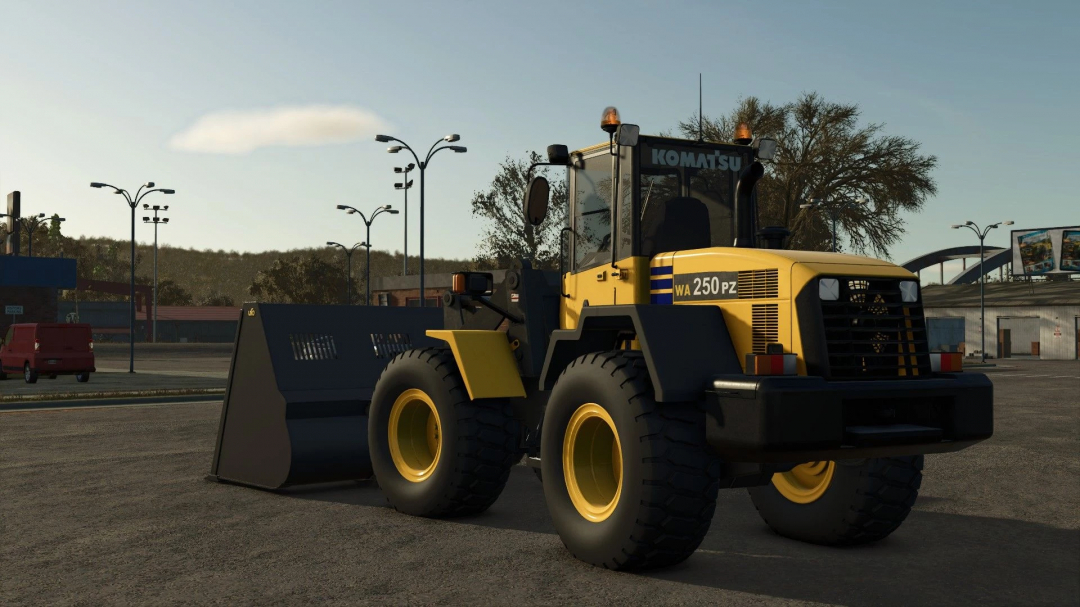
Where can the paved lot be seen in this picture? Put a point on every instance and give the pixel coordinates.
(110, 506)
(157, 367)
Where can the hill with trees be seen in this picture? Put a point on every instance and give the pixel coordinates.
(205, 277)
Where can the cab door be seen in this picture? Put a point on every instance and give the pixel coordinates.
(603, 269)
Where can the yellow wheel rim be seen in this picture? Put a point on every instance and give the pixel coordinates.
(592, 462)
(415, 435)
(805, 483)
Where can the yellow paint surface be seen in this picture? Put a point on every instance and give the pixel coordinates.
(486, 362)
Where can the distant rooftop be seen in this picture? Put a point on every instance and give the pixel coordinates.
(1003, 294)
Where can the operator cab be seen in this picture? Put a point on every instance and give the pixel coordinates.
(670, 195)
(636, 197)
(673, 195)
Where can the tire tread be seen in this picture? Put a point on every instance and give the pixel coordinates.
(886, 491)
(681, 476)
(488, 441)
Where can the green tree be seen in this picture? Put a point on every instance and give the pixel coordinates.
(506, 236)
(218, 299)
(171, 294)
(300, 279)
(825, 153)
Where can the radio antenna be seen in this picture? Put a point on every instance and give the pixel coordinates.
(700, 115)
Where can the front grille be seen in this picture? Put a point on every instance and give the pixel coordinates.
(765, 329)
(758, 284)
(870, 333)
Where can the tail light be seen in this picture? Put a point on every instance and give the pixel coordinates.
(770, 364)
(475, 284)
(946, 362)
(91, 346)
(37, 345)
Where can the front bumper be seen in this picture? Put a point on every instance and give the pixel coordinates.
(782, 419)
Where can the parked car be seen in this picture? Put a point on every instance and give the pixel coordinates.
(48, 349)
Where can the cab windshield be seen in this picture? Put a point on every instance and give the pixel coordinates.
(687, 196)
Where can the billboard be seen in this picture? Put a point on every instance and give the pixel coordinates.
(1046, 251)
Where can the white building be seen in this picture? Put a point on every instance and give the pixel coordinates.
(1030, 320)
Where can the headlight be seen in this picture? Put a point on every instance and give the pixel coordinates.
(909, 291)
(829, 289)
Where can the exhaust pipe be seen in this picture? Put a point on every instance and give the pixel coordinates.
(744, 205)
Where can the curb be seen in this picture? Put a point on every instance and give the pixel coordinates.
(59, 396)
(91, 403)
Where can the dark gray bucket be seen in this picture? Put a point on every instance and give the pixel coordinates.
(301, 379)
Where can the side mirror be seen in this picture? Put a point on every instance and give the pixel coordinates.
(766, 148)
(628, 134)
(536, 200)
(558, 155)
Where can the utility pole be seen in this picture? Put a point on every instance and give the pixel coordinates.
(405, 185)
(156, 221)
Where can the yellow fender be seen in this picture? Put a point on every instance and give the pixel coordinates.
(486, 362)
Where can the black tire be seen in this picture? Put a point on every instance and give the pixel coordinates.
(865, 501)
(82, 378)
(29, 375)
(669, 476)
(479, 439)
(3, 376)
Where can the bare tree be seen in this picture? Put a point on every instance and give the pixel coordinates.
(824, 153)
(506, 236)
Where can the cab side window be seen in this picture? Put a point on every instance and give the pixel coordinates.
(10, 334)
(592, 212)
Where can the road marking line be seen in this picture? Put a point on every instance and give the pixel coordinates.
(761, 556)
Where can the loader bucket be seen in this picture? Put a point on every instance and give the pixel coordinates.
(301, 380)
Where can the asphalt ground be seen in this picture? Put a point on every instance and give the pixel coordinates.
(109, 506)
(157, 367)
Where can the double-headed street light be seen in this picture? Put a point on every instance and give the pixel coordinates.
(435, 148)
(981, 233)
(133, 201)
(30, 224)
(367, 243)
(348, 270)
(156, 220)
(405, 185)
(833, 208)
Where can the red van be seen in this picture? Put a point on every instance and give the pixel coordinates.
(48, 349)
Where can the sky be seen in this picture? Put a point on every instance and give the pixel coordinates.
(262, 115)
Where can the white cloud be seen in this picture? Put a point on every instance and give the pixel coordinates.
(242, 131)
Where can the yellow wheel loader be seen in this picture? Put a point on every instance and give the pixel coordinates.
(680, 350)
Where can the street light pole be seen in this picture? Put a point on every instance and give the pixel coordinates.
(30, 224)
(394, 149)
(981, 233)
(367, 243)
(132, 201)
(833, 210)
(406, 184)
(156, 220)
(348, 270)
